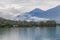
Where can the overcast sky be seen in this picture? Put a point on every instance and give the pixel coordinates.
(11, 8)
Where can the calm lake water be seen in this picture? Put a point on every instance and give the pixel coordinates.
(32, 33)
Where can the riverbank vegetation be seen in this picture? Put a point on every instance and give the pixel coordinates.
(4, 23)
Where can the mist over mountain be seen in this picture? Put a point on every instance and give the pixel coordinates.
(51, 14)
(35, 15)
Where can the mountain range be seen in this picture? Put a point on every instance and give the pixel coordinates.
(40, 15)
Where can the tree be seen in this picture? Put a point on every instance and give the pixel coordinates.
(42, 23)
(50, 23)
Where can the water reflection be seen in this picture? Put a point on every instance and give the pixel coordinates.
(9, 34)
(34, 33)
(45, 33)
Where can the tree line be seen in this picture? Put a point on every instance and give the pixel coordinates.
(40, 24)
(10, 23)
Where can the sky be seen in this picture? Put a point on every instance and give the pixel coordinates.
(11, 8)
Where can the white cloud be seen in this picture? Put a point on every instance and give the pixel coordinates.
(24, 5)
(38, 19)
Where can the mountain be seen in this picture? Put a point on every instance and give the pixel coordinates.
(54, 13)
(36, 12)
(4, 21)
(35, 15)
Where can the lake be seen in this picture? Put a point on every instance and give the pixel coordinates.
(30, 33)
